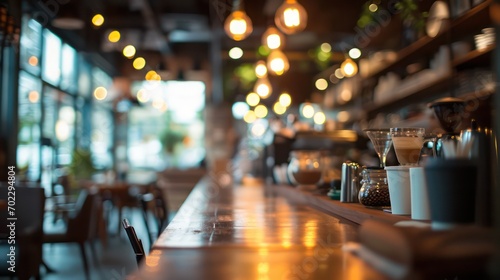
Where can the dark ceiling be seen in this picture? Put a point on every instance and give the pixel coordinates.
(188, 35)
(160, 28)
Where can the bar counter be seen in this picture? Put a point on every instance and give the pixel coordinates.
(252, 232)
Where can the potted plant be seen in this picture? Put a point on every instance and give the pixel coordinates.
(413, 20)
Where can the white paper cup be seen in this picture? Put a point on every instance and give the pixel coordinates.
(420, 209)
(398, 179)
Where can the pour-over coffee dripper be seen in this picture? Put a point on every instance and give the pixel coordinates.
(449, 112)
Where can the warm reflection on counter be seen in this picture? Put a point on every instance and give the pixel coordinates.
(250, 232)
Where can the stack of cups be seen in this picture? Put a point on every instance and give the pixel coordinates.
(407, 185)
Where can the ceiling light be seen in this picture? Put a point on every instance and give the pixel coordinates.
(33, 96)
(250, 116)
(273, 38)
(349, 67)
(235, 53)
(239, 109)
(129, 51)
(33, 60)
(263, 87)
(307, 110)
(279, 109)
(321, 84)
(291, 17)
(277, 62)
(325, 47)
(238, 25)
(98, 20)
(339, 74)
(285, 99)
(260, 69)
(345, 95)
(100, 93)
(343, 116)
(354, 53)
(319, 118)
(114, 36)
(152, 75)
(253, 99)
(139, 63)
(261, 111)
(373, 8)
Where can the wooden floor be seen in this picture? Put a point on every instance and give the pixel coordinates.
(115, 261)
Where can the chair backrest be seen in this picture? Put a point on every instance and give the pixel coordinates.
(134, 241)
(29, 210)
(29, 207)
(82, 225)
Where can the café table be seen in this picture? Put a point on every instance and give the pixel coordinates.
(252, 232)
(122, 193)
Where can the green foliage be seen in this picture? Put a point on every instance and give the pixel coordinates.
(170, 138)
(246, 74)
(81, 166)
(366, 17)
(411, 14)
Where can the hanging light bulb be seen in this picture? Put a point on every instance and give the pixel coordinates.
(238, 25)
(260, 69)
(349, 67)
(263, 87)
(291, 17)
(277, 63)
(273, 38)
(307, 110)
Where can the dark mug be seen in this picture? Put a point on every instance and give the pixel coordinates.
(451, 186)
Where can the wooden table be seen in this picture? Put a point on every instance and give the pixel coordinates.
(252, 232)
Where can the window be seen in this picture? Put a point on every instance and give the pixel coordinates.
(169, 126)
(69, 69)
(51, 67)
(30, 50)
(28, 149)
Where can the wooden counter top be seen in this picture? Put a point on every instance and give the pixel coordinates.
(252, 232)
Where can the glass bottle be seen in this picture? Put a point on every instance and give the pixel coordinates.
(304, 169)
(374, 189)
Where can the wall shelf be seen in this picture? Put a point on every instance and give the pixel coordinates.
(473, 20)
(426, 91)
(474, 58)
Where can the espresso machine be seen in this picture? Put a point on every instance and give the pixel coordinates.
(449, 112)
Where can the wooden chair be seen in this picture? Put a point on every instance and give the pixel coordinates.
(153, 203)
(134, 241)
(81, 226)
(29, 211)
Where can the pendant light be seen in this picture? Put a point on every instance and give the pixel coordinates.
(260, 69)
(273, 38)
(263, 87)
(291, 17)
(238, 25)
(277, 63)
(349, 68)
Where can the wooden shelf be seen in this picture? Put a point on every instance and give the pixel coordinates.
(431, 89)
(353, 212)
(473, 20)
(474, 58)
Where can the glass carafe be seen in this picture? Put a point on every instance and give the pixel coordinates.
(374, 189)
(305, 170)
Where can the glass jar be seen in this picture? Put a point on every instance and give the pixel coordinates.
(304, 169)
(374, 189)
